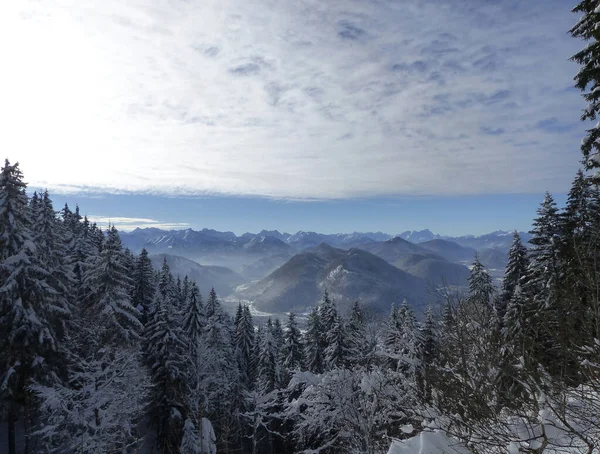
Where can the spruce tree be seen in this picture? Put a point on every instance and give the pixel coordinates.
(427, 353)
(109, 305)
(543, 267)
(277, 331)
(268, 368)
(213, 306)
(293, 354)
(166, 283)
(313, 343)
(32, 311)
(588, 78)
(165, 350)
(244, 343)
(190, 442)
(194, 319)
(358, 345)
(515, 272)
(327, 312)
(337, 352)
(144, 285)
(481, 289)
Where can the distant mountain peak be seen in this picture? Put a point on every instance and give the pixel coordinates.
(418, 236)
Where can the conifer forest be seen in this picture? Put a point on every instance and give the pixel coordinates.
(102, 352)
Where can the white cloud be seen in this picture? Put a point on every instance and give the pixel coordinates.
(291, 99)
(127, 224)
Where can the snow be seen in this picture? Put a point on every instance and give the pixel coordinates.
(207, 438)
(435, 442)
(407, 429)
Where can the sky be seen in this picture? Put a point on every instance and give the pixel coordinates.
(337, 115)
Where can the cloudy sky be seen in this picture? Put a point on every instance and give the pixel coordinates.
(294, 109)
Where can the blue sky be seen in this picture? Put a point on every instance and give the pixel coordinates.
(444, 215)
(331, 116)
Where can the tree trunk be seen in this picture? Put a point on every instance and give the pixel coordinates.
(12, 446)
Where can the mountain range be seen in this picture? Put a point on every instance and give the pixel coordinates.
(280, 271)
(348, 276)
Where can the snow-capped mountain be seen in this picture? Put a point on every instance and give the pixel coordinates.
(418, 236)
(348, 275)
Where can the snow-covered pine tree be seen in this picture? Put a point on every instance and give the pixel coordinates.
(100, 407)
(427, 349)
(244, 343)
(515, 272)
(129, 262)
(49, 239)
(359, 349)
(313, 343)
(194, 319)
(32, 311)
(108, 307)
(337, 352)
(544, 282)
(588, 78)
(543, 266)
(190, 442)
(185, 289)
(268, 368)
(392, 336)
(579, 249)
(481, 289)
(408, 354)
(144, 285)
(165, 350)
(277, 331)
(96, 237)
(83, 248)
(328, 314)
(220, 378)
(293, 353)
(166, 283)
(213, 306)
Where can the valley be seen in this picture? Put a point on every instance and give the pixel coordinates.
(277, 272)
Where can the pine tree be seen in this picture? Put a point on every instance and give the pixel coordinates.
(32, 312)
(358, 345)
(392, 336)
(51, 250)
(408, 353)
(166, 283)
(213, 306)
(481, 289)
(543, 267)
(185, 288)
(194, 319)
(268, 368)
(518, 324)
(578, 251)
(277, 331)
(244, 343)
(588, 77)
(515, 272)
(144, 285)
(82, 249)
(427, 353)
(337, 352)
(313, 343)
(165, 353)
(190, 442)
(129, 262)
(327, 312)
(109, 306)
(220, 372)
(293, 354)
